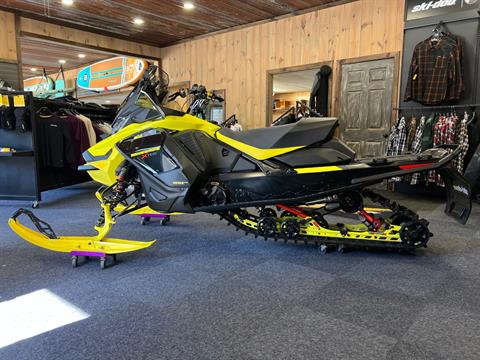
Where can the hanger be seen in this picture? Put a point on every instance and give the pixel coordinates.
(64, 112)
(44, 111)
(474, 117)
(437, 32)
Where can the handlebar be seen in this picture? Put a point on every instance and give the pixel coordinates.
(180, 93)
(215, 97)
(198, 91)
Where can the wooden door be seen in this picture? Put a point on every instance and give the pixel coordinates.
(366, 105)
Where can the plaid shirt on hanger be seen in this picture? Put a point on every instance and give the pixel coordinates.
(397, 141)
(417, 146)
(462, 140)
(411, 130)
(439, 134)
(448, 136)
(434, 75)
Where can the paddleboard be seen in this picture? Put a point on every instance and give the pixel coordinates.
(111, 74)
(59, 85)
(38, 84)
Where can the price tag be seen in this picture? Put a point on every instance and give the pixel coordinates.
(4, 100)
(19, 101)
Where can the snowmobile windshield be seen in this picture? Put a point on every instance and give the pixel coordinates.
(143, 103)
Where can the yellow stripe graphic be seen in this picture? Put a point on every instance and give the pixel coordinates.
(317, 169)
(257, 153)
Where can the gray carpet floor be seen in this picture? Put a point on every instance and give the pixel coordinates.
(204, 291)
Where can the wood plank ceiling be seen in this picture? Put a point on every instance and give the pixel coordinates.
(165, 22)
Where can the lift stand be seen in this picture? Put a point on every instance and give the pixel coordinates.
(145, 218)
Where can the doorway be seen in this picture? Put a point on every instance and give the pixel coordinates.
(289, 87)
(367, 90)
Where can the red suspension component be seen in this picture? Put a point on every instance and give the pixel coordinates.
(372, 222)
(296, 211)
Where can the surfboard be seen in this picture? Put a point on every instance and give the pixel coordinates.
(38, 84)
(111, 74)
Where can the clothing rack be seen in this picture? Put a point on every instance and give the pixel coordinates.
(19, 170)
(21, 175)
(407, 108)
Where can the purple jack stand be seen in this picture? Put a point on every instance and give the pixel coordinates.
(145, 218)
(88, 254)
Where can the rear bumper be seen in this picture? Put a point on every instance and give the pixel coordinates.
(458, 190)
(428, 160)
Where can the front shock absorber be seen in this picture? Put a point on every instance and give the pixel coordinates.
(125, 175)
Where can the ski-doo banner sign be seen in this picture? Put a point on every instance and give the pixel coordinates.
(418, 9)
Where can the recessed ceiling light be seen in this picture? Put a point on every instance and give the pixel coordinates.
(67, 2)
(108, 101)
(62, 61)
(81, 56)
(33, 69)
(188, 5)
(138, 21)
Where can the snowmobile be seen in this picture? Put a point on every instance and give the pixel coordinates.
(169, 161)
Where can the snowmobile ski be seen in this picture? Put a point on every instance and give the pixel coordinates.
(99, 246)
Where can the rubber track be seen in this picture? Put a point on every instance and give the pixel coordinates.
(397, 209)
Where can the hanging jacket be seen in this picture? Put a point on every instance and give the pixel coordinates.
(319, 94)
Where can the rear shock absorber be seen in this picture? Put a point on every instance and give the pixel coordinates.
(370, 221)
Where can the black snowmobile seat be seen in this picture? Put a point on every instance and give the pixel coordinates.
(305, 132)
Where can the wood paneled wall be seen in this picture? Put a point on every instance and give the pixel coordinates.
(85, 38)
(8, 40)
(237, 61)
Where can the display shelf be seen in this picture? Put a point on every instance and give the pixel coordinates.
(21, 153)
